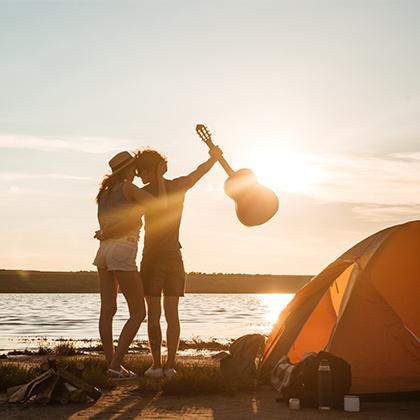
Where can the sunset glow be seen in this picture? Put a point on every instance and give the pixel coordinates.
(202, 198)
(323, 110)
(274, 303)
(286, 170)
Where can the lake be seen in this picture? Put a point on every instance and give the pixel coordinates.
(28, 320)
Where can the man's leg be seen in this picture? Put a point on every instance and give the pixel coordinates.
(108, 287)
(170, 304)
(153, 328)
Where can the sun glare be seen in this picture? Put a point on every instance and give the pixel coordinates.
(274, 303)
(285, 170)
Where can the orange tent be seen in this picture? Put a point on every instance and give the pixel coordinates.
(365, 308)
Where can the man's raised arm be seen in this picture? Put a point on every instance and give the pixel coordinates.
(190, 180)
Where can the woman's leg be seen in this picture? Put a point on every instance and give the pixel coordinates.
(153, 328)
(109, 289)
(170, 304)
(132, 290)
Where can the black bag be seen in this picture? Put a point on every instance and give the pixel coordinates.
(303, 382)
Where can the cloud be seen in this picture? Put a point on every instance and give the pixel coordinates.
(381, 188)
(51, 144)
(413, 156)
(385, 187)
(19, 191)
(391, 213)
(28, 176)
(390, 180)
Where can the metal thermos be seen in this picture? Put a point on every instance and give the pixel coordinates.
(324, 385)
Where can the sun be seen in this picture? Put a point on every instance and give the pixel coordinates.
(274, 304)
(285, 170)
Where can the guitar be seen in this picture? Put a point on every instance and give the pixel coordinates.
(255, 204)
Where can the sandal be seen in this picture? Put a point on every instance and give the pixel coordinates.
(121, 374)
(129, 372)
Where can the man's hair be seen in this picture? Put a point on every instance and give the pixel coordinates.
(149, 159)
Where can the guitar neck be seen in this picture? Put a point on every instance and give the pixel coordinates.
(225, 165)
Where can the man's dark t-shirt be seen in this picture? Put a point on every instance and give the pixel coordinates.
(161, 227)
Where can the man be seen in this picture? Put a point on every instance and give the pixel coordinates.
(162, 268)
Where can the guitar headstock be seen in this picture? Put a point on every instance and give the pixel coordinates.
(203, 132)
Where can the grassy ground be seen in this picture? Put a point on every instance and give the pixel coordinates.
(195, 375)
(198, 391)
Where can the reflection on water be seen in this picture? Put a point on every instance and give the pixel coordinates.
(51, 316)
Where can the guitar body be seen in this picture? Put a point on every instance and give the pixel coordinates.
(255, 204)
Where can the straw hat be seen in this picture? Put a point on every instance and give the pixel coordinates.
(120, 161)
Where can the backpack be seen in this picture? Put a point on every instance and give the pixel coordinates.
(238, 366)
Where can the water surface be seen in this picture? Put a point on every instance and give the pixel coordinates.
(26, 320)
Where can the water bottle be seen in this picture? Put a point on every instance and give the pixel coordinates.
(324, 385)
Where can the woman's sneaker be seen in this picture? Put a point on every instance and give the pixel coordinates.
(154, 373)
(169, 373)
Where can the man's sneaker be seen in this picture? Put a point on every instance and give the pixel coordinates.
(154, 373)
(169, 373)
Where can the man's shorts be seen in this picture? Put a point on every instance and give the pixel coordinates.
(116, 255)
(163, 273)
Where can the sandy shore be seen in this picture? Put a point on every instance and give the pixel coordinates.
(127, 402)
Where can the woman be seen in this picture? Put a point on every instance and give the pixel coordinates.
(119, 199)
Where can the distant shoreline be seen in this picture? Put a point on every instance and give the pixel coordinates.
(21, 281)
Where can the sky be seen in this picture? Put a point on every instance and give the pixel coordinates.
(321, 99)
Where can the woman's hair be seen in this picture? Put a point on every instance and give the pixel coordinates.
(110, 180)
(149, 159)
